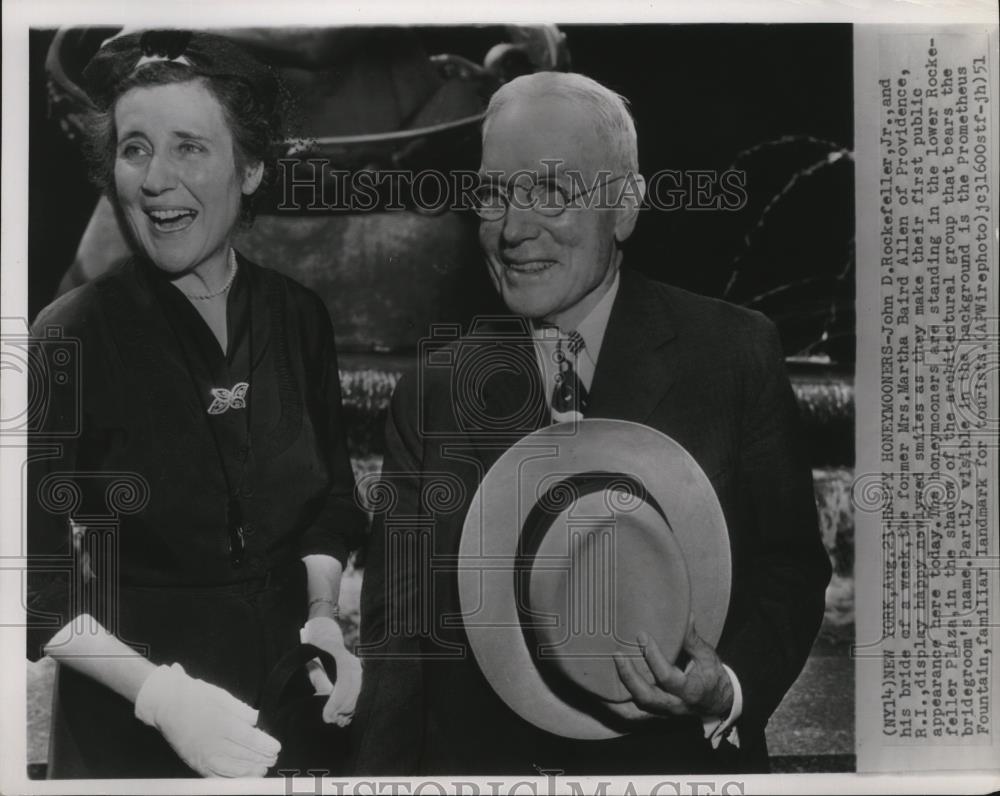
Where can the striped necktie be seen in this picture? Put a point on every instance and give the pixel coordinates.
(569, 394)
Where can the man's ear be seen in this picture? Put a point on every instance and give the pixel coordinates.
(252, 175)
(631, 196)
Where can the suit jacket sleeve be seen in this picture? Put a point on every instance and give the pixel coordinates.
(387, 730)
(769, 636)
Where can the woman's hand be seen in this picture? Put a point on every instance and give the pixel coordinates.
(210, 729)
(321, 630)
(325, 633)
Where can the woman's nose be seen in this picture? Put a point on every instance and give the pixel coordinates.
(160, 175)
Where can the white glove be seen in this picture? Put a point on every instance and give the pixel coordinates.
(210, 729)
(325, 633)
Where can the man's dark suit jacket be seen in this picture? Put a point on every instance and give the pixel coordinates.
(706, 373)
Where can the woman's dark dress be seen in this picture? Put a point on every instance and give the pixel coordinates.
(128, 449)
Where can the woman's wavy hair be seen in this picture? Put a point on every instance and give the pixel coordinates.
(252, 97)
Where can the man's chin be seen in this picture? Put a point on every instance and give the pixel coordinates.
(531, 307)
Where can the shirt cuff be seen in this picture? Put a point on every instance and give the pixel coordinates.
(717, 729)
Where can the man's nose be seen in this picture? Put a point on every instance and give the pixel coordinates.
(161, 175)
(519, 224)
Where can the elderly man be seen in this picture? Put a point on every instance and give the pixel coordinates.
(561, 194)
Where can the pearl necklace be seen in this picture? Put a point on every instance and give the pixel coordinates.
(221, 290)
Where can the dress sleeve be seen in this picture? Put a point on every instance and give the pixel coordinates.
(338, 527)
(56, 582)
(789, 568)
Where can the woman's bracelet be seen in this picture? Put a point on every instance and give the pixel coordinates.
(332, 603)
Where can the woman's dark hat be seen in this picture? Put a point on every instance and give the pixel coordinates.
(204, 54)
(580, 537)
(167, 44)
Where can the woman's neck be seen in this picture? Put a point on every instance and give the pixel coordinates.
(209, 278)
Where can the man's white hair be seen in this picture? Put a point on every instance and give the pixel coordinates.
(610, 110)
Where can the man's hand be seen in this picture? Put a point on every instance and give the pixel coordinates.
(325, 633)
(703, 689)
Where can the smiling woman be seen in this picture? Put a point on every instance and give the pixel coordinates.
(211, 392)
(179, 188)
(177, 182)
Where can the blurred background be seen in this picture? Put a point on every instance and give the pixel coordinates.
(773, 102)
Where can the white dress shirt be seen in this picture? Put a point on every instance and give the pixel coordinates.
(592, 330)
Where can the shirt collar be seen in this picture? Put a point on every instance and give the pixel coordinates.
(593, 327)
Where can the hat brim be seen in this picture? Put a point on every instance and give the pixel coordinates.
(493, 526)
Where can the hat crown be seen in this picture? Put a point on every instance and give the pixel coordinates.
(604, 572)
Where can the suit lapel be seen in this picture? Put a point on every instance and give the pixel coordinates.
(504, 397)
(636, 367)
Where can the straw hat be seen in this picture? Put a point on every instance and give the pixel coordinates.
(581, 536)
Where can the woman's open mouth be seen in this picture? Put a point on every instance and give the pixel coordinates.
(172, 220)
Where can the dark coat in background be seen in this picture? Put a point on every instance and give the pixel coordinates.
(706, 373)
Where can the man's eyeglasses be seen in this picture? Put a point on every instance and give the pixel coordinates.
(545, 197)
